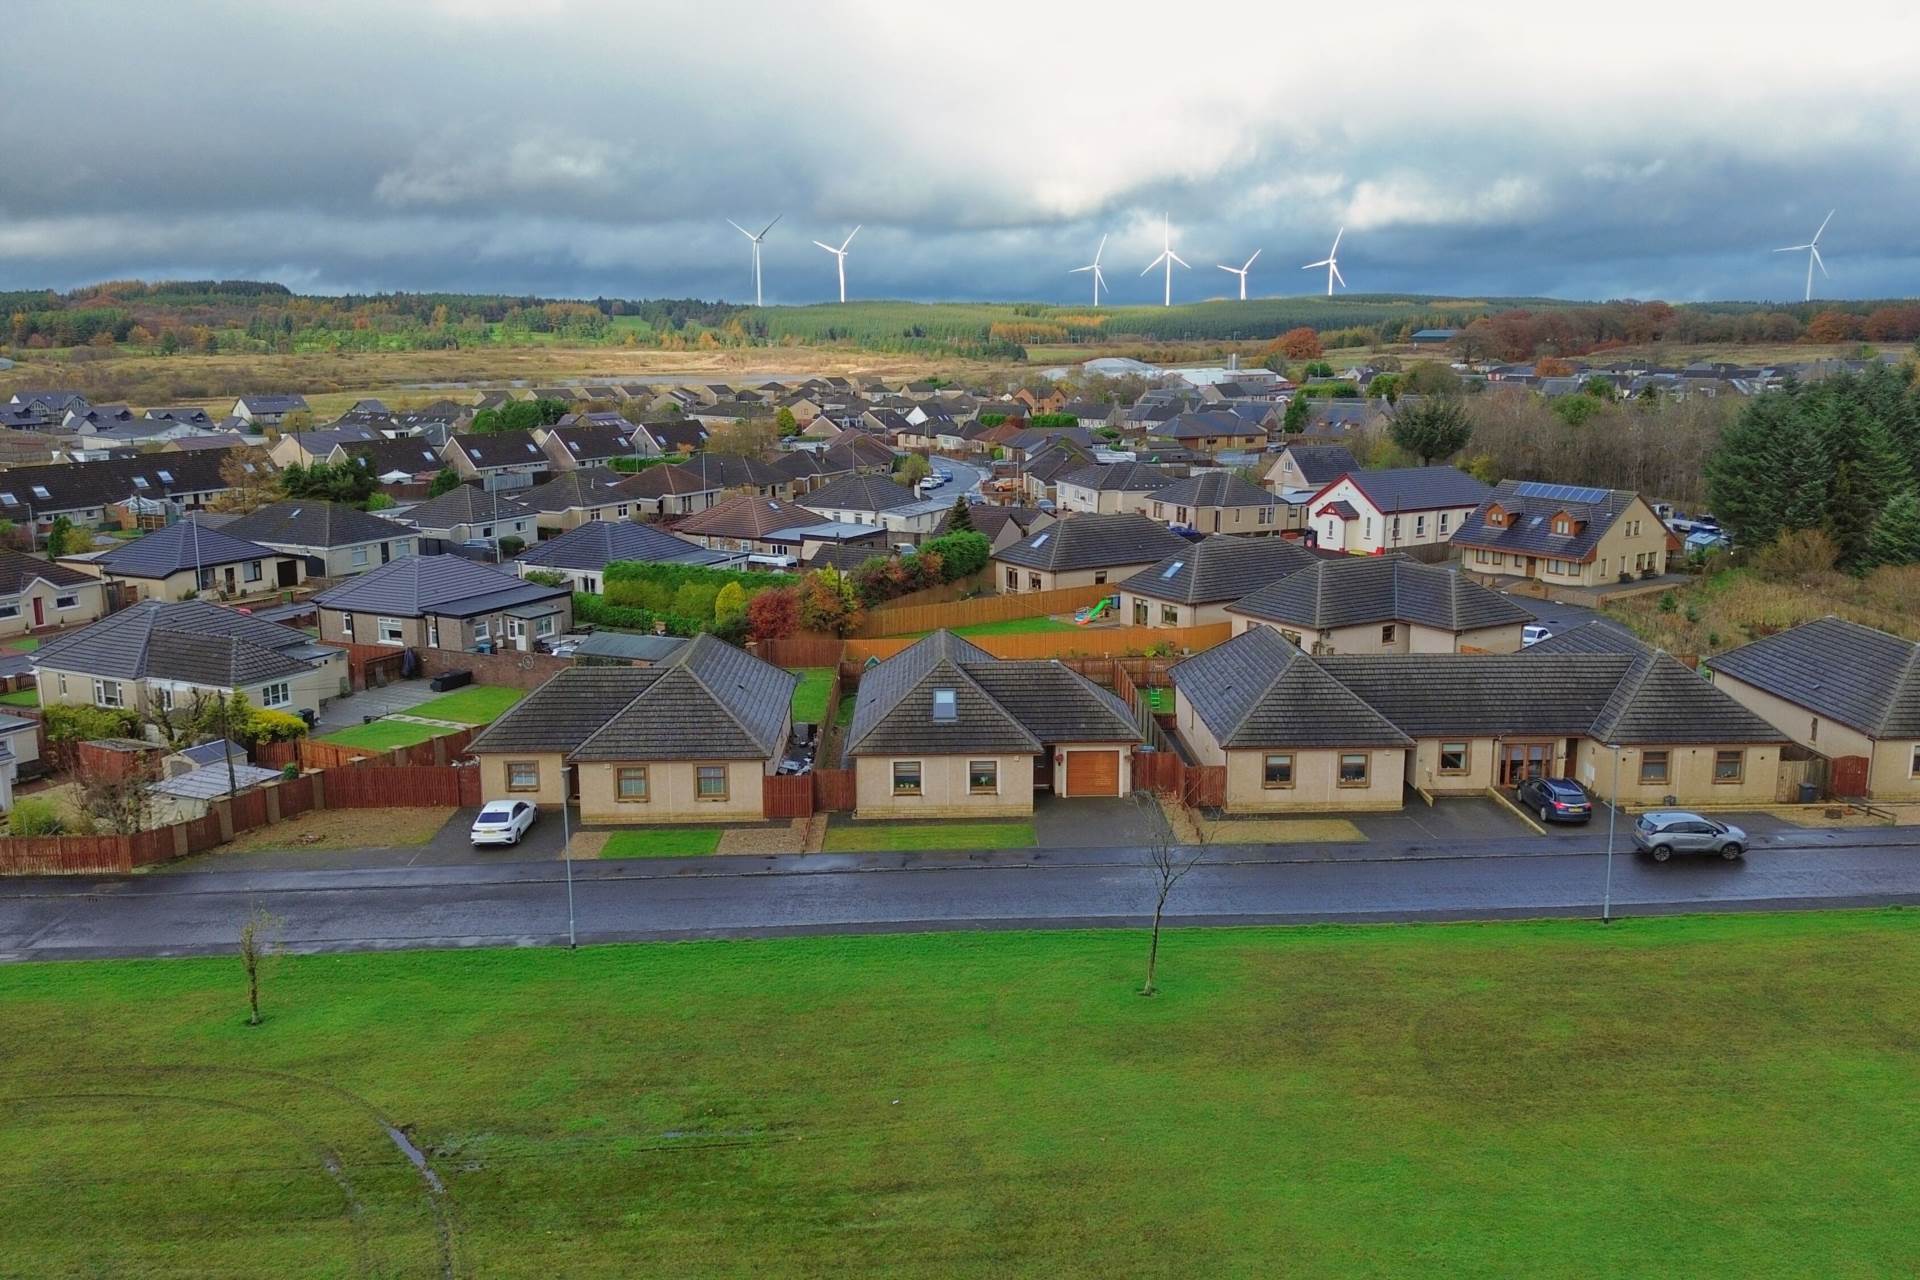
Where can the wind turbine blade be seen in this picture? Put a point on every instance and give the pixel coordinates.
(1823, 225)
(849, 240)
(829, 248)
(1335, 268)
(1156, 262)
(1177, 258)
(1229, 270)
(1074, 271)
(1310, 266)
(1336, 242)
(1097, 252)
(1256, 253)
(742, 230)
(1099, 276)
(1823, 263)
(769, 226)
(1793, 248)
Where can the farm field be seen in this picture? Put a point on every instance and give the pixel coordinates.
(1724, 1096)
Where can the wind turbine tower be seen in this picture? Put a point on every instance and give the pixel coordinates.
(1240, 271)
(1168, 256)
(840, 258)
(1331, 262)
(1813, 254)
(756, 250)
(1099, 280)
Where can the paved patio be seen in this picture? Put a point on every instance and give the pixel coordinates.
(403, 695)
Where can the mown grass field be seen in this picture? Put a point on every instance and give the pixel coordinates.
(1689, 1096)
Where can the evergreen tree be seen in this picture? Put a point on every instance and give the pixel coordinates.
(1867, 469)
(1896, 535)
(1437, 427)
(961, 519)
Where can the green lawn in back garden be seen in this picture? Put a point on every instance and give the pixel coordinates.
(663, 842)
(1707, 1096)
(384, 735)
(24, 644)
(810, 695)
(1015, 626)
(20, 698)
(867, 837)
(475, 704)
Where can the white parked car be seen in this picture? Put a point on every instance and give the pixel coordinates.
(502, 822)
(1532, 635)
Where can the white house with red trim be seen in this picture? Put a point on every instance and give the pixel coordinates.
(1373, 512)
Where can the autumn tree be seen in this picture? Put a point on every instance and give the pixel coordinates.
(784, 423)
(911, 469)
(1833, 326)
(1552, 367)
(1435, 427)
(829, 603)
(1167, 864)
(1429, 378)
(256, 946)
(1299, 343)
(744, 437)
(773, 614)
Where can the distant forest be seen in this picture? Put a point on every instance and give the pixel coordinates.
(246, 317)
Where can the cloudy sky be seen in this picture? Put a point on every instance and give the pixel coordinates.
(583, 147)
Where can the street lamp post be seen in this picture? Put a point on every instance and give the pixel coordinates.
(1613, 810)
(566, 849)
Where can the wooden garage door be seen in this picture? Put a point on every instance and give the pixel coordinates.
(1093, 773)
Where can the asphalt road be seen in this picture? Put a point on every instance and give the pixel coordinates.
(526, 903)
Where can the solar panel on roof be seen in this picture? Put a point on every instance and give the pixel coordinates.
(1559, 492)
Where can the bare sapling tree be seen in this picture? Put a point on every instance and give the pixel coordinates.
(256, 945)
(1168, 861)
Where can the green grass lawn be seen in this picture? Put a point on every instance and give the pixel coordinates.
(843, 714)
(20, 698)
(866, 837)
(1014, 626)
(24, 644)
(383, 735)
(810, 695)
(1728, 1096)
(666, 842)
(475, 704)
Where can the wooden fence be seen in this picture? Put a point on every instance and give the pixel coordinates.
(833, 790)
(802, 650)
(1092, 642)
(789, 797)
(309, 754)
(344, 788)
(893, 620)
(1165, 773)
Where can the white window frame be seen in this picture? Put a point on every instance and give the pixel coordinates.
(106, 693)
(359, 557)
(277, 694)
(71, 600)
(397, 626)
(255, 572)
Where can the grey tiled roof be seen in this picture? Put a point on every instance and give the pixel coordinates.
(1356, 590)
(1528, 510)
(452, 586)
(1120, 477)
(1094, 542)
(467, 504)
(18, 569)
(1002, 706)
(501, 449)
(1588, 637)
(1205, 423)
(732, 471)
(1863, 678)
(1256, 690)
(989, 519)
(1323, 463)
(184, 544)
(1419, 488)
(189, 640)
(856, 449)
(312, 522)
(410, 454)
(1221, 567)
(1215, 488)
(860, 493)
(747, 516)
(68, 486)
(589, 441)
(580, 490)
(598, 543)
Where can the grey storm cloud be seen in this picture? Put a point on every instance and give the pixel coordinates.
(583, 147)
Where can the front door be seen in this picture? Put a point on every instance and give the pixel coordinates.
(287, 573)
(39, 612)
(1520, 761)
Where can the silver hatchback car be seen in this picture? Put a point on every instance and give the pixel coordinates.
(1663, 833)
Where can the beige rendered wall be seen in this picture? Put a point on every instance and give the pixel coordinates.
(1194, 732)
(1424, 766)
(1049, 580)
(1891, 776)
(88, 608)
(1689, 775)
(943, 786)
(1316, 786)
(672, 785)
(1828, 737)
(493, 776)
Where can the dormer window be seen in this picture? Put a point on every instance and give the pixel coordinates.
(1496, 517)
(1563, 525)
(946, 709)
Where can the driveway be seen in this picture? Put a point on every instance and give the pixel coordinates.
(1094, 822)
(448, 848)
(403, 695)
(1465, 819)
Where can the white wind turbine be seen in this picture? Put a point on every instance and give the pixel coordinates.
(1168, 256)
(840, 257)
(1331, 262)
(1099, 280)
(1241, 272)
(1813, 253)
(756, 249)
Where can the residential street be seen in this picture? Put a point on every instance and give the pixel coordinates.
(521, 903)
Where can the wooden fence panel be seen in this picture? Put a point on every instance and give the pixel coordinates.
(397, 786)
(790, 797)
(801, 651)
(276, 755)
(888, 620)
(1205, 785)
(833, 790)
(66, 855)
(249, 810)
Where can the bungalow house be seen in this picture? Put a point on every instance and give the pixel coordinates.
(1369, 512)
(945, 729)
(36, 593)
(1382, 604)
(498, 459)
(304, 448)
(1042, 470)
(745, 524)
(154, 656)
(187, 559)
(1103, 489)
(1084, 550)
(405, 461)
(443, 602)
(1198, 583)
(670, 489)
(739, 474)
(269, 410)
(1562, 535)
(335, 539)
(1847, 692)
(19, 755)
(466, 513)
(90, 493)
(587, 444)
(680, 436)
(582, 554)
(1301, 470)
(1210, 431)
(691, 738)
(876, 500)
(860, 453)
(1091, 414)
(1215, 501)
(1023, 445)
(1000, 526)
(806, 470)
(572, 498)
(1301, 733)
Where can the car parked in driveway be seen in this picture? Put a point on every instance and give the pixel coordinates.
(501, 822)
(1555, 799)
(1663, 833)
(1531, 635)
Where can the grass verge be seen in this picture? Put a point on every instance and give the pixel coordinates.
(663, 842)
(475, 704)
(1707, 1096)
(344, 829)
(880, 837)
